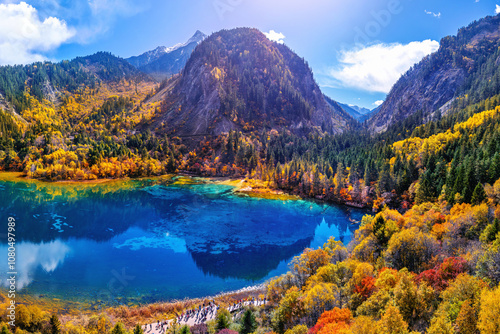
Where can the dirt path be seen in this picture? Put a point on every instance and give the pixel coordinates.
(201, 315)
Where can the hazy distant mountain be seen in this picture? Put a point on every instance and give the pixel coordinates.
(165, 61)
(369, 114)
(355, 111)
(240, 80)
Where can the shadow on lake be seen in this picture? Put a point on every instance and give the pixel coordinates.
(177, 239)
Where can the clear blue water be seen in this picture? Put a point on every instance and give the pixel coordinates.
(142, 241)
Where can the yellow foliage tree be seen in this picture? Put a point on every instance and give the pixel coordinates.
(392, 322)
(489, 313)
(306, 264)
(319, 298)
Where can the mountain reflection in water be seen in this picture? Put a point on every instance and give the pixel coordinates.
(171, 238)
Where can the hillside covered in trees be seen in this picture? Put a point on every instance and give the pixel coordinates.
(238, 80)
(99, 117)
(466, 65)
(245, 107)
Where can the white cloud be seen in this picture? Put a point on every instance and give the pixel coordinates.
(378, 103)
(275, 36)
(377, 67)
(90, 18)
(497, 9)
(438, 15)
(24, 37)
(31, 257)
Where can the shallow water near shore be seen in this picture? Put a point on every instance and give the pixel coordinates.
(141, 241)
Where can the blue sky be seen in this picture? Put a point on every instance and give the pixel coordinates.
(356, 48)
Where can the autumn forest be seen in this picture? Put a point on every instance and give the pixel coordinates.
(426, 256)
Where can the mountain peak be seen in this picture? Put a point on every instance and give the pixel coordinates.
(197, 37)
(164, 61)
(239, 80)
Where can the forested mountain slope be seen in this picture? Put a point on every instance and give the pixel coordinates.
(239, 80)
(464, 65)
(243, 107)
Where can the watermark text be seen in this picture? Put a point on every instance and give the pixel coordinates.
(11, 272)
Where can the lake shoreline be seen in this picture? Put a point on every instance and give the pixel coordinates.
(242, 186)
(176, 307)
(131, 315)
(229, 187)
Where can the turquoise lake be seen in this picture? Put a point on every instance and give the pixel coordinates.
(142, 241)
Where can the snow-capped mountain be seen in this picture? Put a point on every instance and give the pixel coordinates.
(147, 57)
(166, 61)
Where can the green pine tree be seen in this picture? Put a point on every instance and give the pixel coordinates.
(469, 181)
(458, 185)
(55, 324)
(171, 163)
(426, 191)
(185, 330)
(494, 170)
(119, 329)
(479, 195)
(138, 329)
(385, 180)
(222, 320)
(490, 232)
(379, 230)
(248, 323)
